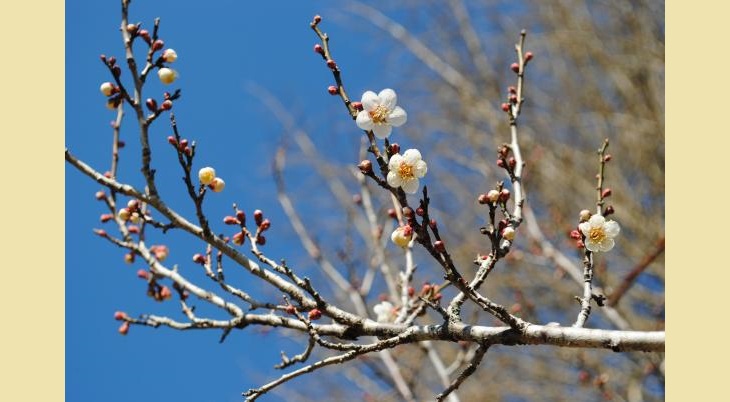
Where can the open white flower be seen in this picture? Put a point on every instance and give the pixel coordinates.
(405, 170)
(384, 311)
(380, 113)
(599, 233)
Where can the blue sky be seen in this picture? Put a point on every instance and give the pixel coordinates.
(223, 47)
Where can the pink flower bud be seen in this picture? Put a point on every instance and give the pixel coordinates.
(575, 235)
(314, 314)
(100, 195)
(528, 56)
(120, 315)
(607, 158)
(357, 105)
(231, 220)
(500, 163)
(165, 293)
(317, 19)
(318, 49)
(513, 99)
(100, 232)
(365, 166)
(157, 45)
(394, 148)
(290, 309)
(511, 90)
(133, 229)
(608, 211)
(239, 238)
(511, 162)
(258, 217)
(504, 195)
(265, 224)
(515, 67)
(143, 274)
(606, 193)
(407, 212)
(411, 291)
(407, 230)
(483, 199)
(124, 328)
(145, 34)
(426, 288)
(356, 199)
(332, 90)
(505, 107)
(172, 141)
(331, 64)
(432, 224)
(199, 258)
(106, 217)
(112, 60)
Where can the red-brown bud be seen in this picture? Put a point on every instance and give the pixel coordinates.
(183, 143)
(121, 144)
(199, 258)
(356, 199)
(166, 105)
(100, 232)
(394, 148)
(432, 224)
(241, 216)
(172, 141)
(117, 71)
(132, 28)
(165, 293)
(331, 64)
(151, 104)
(411, 291)
(134, 229)
(290, 309)
(504, 195)
(314, 314)
(607, 158)
(261, 240)
(332, 90)
(112, 61)
(317, 19)
(505, 107)
(407, 230)
(143, 274)
(239, 238)
(515, 67)
(157, 45)
(231, 220)
(511, 162)
(318, 49)
(420, 211)
(392, 214)
(500, 163)
(513, 99)
(483, 199)
(100, 195)
(258, 217)
(439, 246)
(579, 244)
(357, 105)
(511, 90)
(608, 211)
(120, 315)
(606, 193)
(426, 288)
(265, 224)
(528, 56)
(145, 34)
(365, 166)
(407, 212)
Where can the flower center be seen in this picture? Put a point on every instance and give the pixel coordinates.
(597, 235)
(405, 171)
(379, 114)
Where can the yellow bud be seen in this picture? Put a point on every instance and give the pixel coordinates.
(206, 175)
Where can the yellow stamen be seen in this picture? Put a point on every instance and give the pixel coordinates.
(597, 235)
(379, 114)
(406, 171)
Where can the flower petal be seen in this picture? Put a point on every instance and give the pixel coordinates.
(611, 228)
(397, 117)
(597, 221)
(412, 156)
(369, 101)
(421, 168)
(364, 121)
(388, 98)
(410, 186)
(382, 131)
(394, 162)
(592, 246)
(394, 180)
(606, 245)
(585, 228)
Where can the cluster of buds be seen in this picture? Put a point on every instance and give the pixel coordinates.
(131, 212)
(262, 225)
(505, 161)
(158, 292)
(240, 219)
(182, 146)
(208, 178)
(112, 92)
(430, 292)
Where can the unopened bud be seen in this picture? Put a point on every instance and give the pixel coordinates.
(439, 246)
(165, 293)
(167, 75)
(606, 193)
(132, 28)
(500, 163)
(575, 235)
(199, 258)
(258, 217)
(100, 195)
(365, 166)
(332, 90)
(356, 199)
(265, 224)
(169, 55)
(112, 60)
(504, 195)
(151, 104)
(584, 215)
(426, 288)
(483, 199)
(241, 216)
(331, 64)
(157, 45)
(528, 56)
(608, 211)
(134, 229)
(407, 212)
(206, 175)
(493, 196)
(124, 214)
(314, 314)
(411, 291)
(166, 105)
(106, 217)
(143, 274)
(100, 232)
(432, 224)
(394, 148)
(515, 67)
(511, 90)
(607, 158)
(239, 238)
(107, 88)
(129, 258)
(231, 220)
(120, 315)
(117, 71)
(124, 328)
(318, 49)
(508, 233)
(145, 34)
(172, 140)
(505, 107)
(217, 185)
(512, 162)
(357, 105)
(132, 205)
(317, 19)
(261, 240)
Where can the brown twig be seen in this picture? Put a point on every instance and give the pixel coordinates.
(629, 279)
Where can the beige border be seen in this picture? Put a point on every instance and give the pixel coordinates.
(32, 203)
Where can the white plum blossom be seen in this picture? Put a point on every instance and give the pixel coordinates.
(405, 170)
(599, 233)
(384, 311)
(380, 113)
